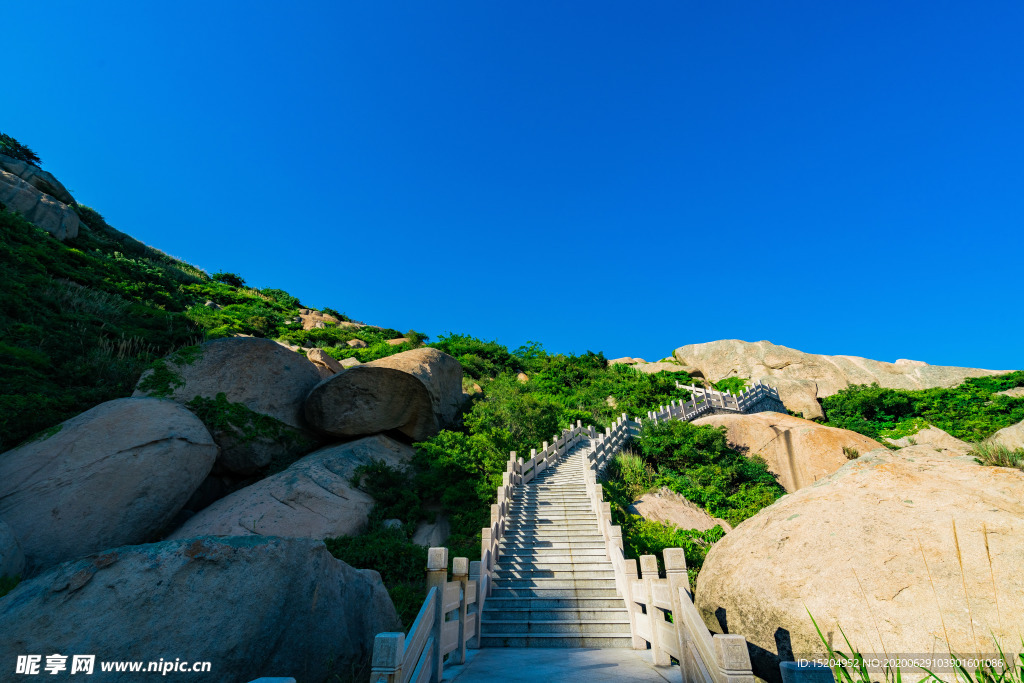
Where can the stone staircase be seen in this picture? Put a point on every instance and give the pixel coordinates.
(554, 583)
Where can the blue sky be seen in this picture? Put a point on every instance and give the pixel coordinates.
(841, 178)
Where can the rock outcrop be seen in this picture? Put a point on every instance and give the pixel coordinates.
(851, 549)
(38, 207)
(314, 498)
(251, 606)
(939, 440)
(416, 392)
(254, 390)
(799, 452)
(325, 363)
(804, 378)
(37, 178)
(114, 475)
(1011, 437)
(660, 366)
(669, 507)
(12, 559)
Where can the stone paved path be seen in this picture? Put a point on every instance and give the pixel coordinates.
(564, 665)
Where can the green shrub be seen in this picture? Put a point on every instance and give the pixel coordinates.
(229, 279)
(12, 148)
(734, 385)
(972, 411)
(997, 455)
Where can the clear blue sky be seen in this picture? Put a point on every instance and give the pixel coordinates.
(838, 177)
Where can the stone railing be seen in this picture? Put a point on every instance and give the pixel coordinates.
(758, 398)
(447, 622)
(663, 615)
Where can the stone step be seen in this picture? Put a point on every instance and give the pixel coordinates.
(553, 626)
(584, 565)
(556, 613)
(594, 640)
(530, 603)
(539, 592)
(572, 573)
(599, 583)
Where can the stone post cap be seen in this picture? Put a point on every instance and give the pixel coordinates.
(437, 559)
(460, 565)
(388, 649)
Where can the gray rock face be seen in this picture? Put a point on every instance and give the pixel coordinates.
(668, 507)
(38, 208)
(12, 560)
(325, 364)
(804, 378)
(250, 606)
(851, 549)
(268, 380)
(115, 474)
(314, 498)
(416, 392)
(37, 178)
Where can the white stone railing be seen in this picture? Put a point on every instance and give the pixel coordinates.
(447, 622)
(706, 401)
(662, 614)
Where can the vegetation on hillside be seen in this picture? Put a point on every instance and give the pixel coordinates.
(80, 320)
(12, 148)
(971, 411)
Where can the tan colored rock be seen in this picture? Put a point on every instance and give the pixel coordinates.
(937, 439)
(804, 378)
(478, 389)
(38, 208)
(910, 363)
(37, 178)
(1016, 392)
(313, 498)
(356, 343)
(399, 341)
(625, 360)
(416, 392)
(114, 475)
(651, 368)
(350, 362)
(851, 549)
(523, 377)
(261, 375)
(313, 319)
(799, 452)
(251, 606)
(612, 402)
(325, 363)
(1012, 437)
(667, 506)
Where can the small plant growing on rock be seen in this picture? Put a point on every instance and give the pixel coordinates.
(12, 148)
(851, 453)
(997, 455)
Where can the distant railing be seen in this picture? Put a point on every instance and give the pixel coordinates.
(758, 398)
(448, 620)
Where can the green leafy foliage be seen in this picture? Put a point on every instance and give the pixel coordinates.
(972, 411)
(232, 279)
(696, 462)
(998, 455)
(12, 148)
(734, 385)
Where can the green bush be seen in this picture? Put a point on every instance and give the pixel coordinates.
(229, 279)
(734, 385)
(972, 411)
(12, 148)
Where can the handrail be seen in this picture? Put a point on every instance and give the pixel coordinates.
(419, 656)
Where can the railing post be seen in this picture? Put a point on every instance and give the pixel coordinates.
(460, 574)
(649, 574)
(733, 659)
(437, 577)
(678, 581)
(388, 653)
(631, 574)
(475, 574)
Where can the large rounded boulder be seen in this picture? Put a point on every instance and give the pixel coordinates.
(249, 391)
(116, 474)
(314, 498)
(797, 451)
(884, 549)
(12, 559)
(416, 392)
(251, 607)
